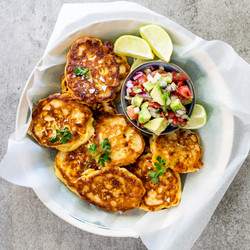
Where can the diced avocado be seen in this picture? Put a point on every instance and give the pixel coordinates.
(137, 100)
(186, 102)
(144, 115)
(156, 125)
(148, 85)
(144, 105)
(167, 97)
(157, 95)
(167, 79)
(131, 106)
(176, 104)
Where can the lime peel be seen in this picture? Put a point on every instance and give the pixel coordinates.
(198, 118)
(158, 39)
(133, 46)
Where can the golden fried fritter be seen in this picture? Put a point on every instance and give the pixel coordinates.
(64, 84)
(58, 112)
(111, 188)
(181, 145)
(103, 108)
(166, 193)
(126, 141)
(124, 69)
(99, 84)
(69, 166)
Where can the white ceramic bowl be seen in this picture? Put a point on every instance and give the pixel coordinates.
(67, 205)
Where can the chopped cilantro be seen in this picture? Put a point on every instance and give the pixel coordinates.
(102, 152)
(63, 136)
(161, 169)
(81, 71)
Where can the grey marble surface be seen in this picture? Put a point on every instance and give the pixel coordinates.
(25, 27)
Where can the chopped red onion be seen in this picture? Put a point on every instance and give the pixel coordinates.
(137, 123)
(185, 116)
(130, 84)
(168, 88)
(173, 97)
(138, 75)
(180, 112)
(138, 91)
(153, 67)
(136, 110)
(145, 96)
(128, 91)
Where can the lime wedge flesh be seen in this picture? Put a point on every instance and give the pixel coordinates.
(198, 118)
(159, 40)
(133, 46)
(138, 62)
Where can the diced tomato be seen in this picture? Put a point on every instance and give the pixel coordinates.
(180, 83)
(161, 72)
(178, 121)
(179, 76)
(163, 115)
(171, 115)
(154, 104)
(132, 93)
(185, 91)
(131, 113)
(142, 125)
(142, 79)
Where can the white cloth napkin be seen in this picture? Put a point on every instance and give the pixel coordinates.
(221, 80)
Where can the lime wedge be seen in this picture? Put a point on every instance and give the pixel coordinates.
(158, 39)
(137, 62)
(134, 46)
(198, 118)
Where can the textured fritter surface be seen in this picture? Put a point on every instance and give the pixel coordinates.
(103, 108)
(111, 188)
(124, 69)
(69, 166)
(99, 59)
(126, 141)
(60, 111)
(181, 145)
(64, 84)
(166, 193)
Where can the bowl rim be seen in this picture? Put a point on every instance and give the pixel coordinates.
(146, 64)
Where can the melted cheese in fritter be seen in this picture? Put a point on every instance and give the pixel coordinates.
(166, 193)
(181, 145)
(99, 59)
(111, 188)
(59, 112)
(126, 141)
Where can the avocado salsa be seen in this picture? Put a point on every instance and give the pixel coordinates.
(157, 99)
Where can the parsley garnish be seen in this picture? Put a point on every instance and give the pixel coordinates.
(81, 71)
(102, 152)
(63, 136)
(161, 169)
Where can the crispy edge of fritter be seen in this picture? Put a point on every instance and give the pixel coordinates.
(128, 160)
(108, 47)
(154, 187)
(178, 166)
(69, 146)
(112, 172)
